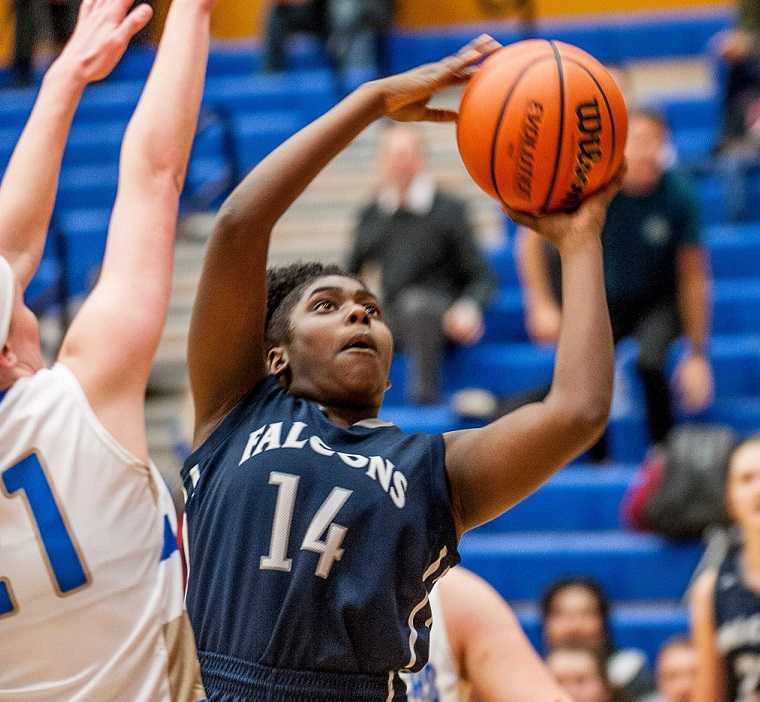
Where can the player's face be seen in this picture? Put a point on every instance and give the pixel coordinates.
(22, 354)
(574, 618)
(341, 348)
(644, 153)
(744, 486)
(677, 674)
(577, 674)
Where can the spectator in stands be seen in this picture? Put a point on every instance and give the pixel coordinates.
(356, 30)
(434, 280)
(676, 671)
(286, 17)
(576, 613)
(725, 601)
(739, 49)
(35, 19)
(580, 671)
(656, 270)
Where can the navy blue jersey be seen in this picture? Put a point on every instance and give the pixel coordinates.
(737, 622)
(313, 548)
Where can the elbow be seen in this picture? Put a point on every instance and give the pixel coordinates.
(585, 417)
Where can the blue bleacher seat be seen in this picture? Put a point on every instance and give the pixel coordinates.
(504, 317)
(629, 566)
(311, 93)
(84, 239)
(576, 499)
(502, 369)
(257, 134)
(84, 187)
(734, 250)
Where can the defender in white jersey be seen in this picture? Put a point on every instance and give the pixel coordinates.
(478, 652)
(90, 578)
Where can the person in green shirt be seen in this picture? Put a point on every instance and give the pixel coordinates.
(656, 272)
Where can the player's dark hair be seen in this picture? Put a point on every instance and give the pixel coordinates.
(285, 285)
(595, 590)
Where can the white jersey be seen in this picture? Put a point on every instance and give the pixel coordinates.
(439, 680)
(91, 604)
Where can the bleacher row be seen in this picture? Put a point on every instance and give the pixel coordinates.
(571, 525)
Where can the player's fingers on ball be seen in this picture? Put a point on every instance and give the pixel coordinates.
(523, 218)
(486, 44)
(433, 114)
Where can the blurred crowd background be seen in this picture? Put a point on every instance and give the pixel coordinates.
(597, 563)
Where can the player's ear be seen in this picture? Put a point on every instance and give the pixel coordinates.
(278, 362)
(8, 359)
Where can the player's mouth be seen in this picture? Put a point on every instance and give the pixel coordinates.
(360, 343)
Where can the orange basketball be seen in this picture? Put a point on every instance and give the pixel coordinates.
(542, 125)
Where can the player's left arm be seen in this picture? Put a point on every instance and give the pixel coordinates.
(28, 190)
(112, 342)
(492, 468)
(494, 654)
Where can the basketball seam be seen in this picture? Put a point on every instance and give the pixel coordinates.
(560, 144)
(609, 111)
(500, 120)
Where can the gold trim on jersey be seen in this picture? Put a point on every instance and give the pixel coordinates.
(184, 672)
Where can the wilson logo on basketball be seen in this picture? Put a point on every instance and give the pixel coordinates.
(589, 123)
(526, 154)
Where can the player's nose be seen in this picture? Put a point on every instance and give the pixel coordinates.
(358, 314)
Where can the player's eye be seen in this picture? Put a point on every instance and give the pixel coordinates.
(372, 309)
(324, 306)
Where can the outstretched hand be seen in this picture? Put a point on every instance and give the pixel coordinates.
(406, 95)
(103, 32)
(564, 227)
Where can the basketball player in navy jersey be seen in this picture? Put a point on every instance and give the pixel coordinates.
(315, 531)
(726, 602)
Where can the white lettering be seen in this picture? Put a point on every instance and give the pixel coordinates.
(252, 441)
(271, 439)
(292, 439)
(398, 491)
(353, 460)
(381, 469)
(319, 446)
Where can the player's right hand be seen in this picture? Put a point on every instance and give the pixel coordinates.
(568, 227)
(103, 32)
(406, 95)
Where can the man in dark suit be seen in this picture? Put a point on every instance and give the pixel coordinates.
(434, 280)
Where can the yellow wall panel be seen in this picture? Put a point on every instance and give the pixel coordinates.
(422, 13)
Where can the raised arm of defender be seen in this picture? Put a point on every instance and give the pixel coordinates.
(113, 340)
(28, 190)
(226, 353)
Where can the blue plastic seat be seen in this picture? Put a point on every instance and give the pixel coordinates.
(629, 566)
(576, 499)
(88, 187)
(505, 318)
(256, 135)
